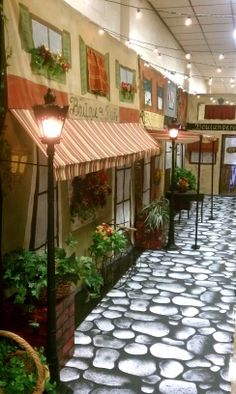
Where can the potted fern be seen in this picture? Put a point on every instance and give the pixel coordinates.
(152, 224)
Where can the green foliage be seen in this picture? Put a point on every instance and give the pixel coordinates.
(156, 214)
(26, 273)
(107, 239)
(183, 173)
(17, 375)
(55, 64)
(89, 193)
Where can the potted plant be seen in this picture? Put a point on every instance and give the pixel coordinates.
(107, 243)
(184, 179)
(25, 275)
(152, 224)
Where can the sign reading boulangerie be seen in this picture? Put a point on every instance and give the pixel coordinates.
(83, 108)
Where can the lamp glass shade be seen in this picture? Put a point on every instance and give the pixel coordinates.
(50, 119)
(173, 132)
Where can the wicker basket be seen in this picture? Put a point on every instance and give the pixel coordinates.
(63, 289)
(40, 368)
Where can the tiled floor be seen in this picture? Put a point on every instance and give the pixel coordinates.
(167, 326)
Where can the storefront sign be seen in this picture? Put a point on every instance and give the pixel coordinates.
(83, 108)
(151, 119)
(211, 126)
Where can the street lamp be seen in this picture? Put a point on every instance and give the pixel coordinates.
(173, 133)
(213, 141)
(50, 118)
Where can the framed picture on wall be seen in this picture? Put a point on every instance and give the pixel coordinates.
(230, 150)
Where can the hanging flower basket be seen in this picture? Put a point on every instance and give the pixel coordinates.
(89, 193)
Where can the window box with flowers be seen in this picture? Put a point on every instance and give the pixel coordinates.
(89, 193)
(127, 91)
(51, 65)
(107, 243)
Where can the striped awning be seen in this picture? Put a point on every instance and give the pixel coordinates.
(88, 146)
(184, 137)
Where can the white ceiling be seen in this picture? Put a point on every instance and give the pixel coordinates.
(210, 34)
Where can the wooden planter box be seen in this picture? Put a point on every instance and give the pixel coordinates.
(149, 239)
(18, 321)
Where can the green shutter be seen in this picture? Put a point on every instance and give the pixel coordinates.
(25, 29)
(107, 67)
(83, 66)
(117, 71)
(134, 77)
(66, 46)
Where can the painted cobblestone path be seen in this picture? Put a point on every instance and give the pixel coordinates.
(167, 326)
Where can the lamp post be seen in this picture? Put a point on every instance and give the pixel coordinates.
(173, 133)
(50, 118)
(213, 140)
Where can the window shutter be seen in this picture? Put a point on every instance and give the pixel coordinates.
(107, 63)
(134, 77)
(117, 71)
(83, 66)
(25, 29)
(66, 46)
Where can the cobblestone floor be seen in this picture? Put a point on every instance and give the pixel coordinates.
(168, 325)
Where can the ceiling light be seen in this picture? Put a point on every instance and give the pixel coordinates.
(146, 64)
(221, 56)
(210, 81)
(232, 85)
(188, 56)
(231, 80)
(219, 69)
(234, 34)
(211, 98)
(188, 21)
(138, 14)
(101, 32)
(198, 96)
(189, 65)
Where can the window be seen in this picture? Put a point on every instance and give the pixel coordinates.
(49, 47)
(160, 94)
(94, 71)
(98, 82)
(123, 196)
(43, 35)
(147, 85)
(126, 83)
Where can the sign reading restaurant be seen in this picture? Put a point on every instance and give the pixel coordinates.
(211, 126)
(83, 108)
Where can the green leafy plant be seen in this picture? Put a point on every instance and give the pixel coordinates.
(156, 214)
(42, 57)
(107, 240)
(17, 372)
(25, 272)
(89, 193)
(184, 176)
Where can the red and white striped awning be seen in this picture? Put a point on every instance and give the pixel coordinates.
(88, 146)
(184, 137)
